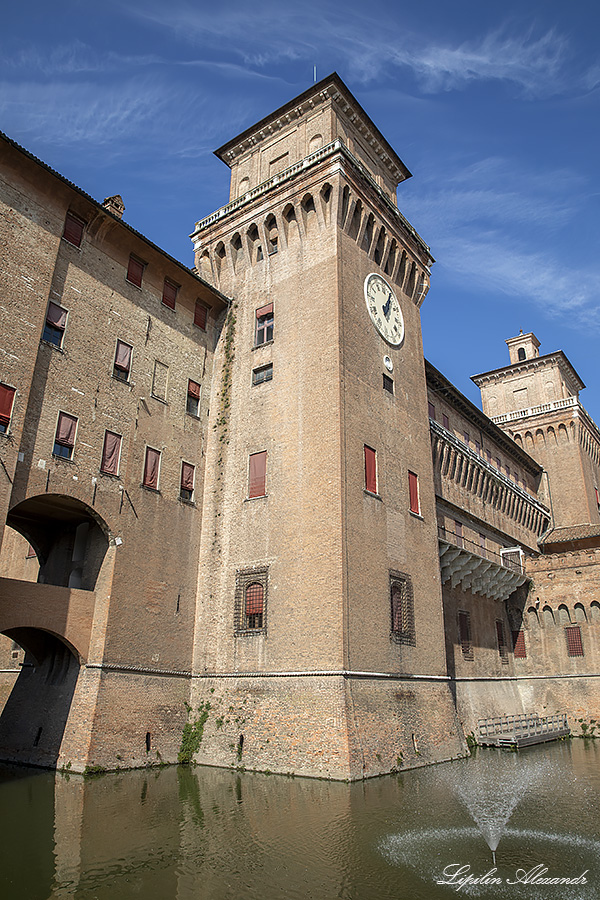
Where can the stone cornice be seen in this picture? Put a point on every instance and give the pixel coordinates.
(556, 406)
(558, 358)
(330, 88)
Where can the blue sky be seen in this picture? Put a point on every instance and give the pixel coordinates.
(494, 107)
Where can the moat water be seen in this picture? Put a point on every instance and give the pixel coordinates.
(191, 834)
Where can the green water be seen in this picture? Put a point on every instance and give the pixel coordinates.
(202, 833)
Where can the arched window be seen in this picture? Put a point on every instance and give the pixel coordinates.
(521, 353)
(254, 605)
(272, 236)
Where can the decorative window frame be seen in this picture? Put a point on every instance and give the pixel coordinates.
(402, 628)
(243, 578)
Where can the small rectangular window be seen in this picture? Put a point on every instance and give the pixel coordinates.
(466, 438)
(388, 384)
(431, 410)
(502, 648)
(56, 322)
(111, 453)
(7, 399)
(122, 363)
(64, 439)
(445, 421)
(188, 473)
(264, 325)
(193, 398)
(402, 609)
(488, 456)
(574, 642)
(464, 634)
(370, 470)
(413, 490)
(519, 649)
(257, 475)
(169, 295)
(263, 373)
(498, 465)
(477, 448)
(135, 271)
(73, 231)
(160, 380)
(151, 468)
(201, 315)
(507, 470)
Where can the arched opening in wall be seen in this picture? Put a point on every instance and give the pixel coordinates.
(325, 195)
(237, 250)
(315, 143)
(33, 719)
(547, 617)
(595, 611)
(580, 614)
(68, 536)
(540, 438)
(368, 235)
(290, 224)
(220, 254)
(563, 434)
(552, 436)
(412, 278)
(254, 245)
(521, 353)
(528, 440)
(272, 235)
(379, 247)
(243, 186)
(391, 259)
(402, 269)
(563, 615)
(205, 266)
(344, 205)
(356, 220)
(533, 621)
(309, 213)
(422, 289)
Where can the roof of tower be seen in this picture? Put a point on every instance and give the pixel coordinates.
(558, 358)
(332, 87)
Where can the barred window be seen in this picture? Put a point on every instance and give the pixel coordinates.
(464, 634)
(502, 648)
(574, 642)
(402, 609)
(251, 601)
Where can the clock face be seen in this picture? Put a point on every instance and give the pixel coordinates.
(384, 309)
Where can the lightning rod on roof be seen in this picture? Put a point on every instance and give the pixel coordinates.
(315, 74)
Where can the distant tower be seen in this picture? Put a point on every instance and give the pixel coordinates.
(535, 399)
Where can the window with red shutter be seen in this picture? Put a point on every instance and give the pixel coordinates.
(56, 322)
(200, 315)
(193, 398)
(188, 472)
(519, 649)
(151, 468)
(111, 453)
(135, 271)
(257, 475)
(64, 439)
(458, 534)
(431, 410)
(445, 421)
(254, 605)
(73, 231)
(169, 293)
(370, 470)
(122, 363)
(250, 614)
(7, 399)
(574, 642)
(413, 489)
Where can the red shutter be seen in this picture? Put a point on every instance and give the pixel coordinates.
(200, 315)
(123, 356)
(264, 310)
(574, 643)
(151, 468)
(110, 453)
(73, 232)
(169, 294)
(56, 316)
(7, 397)
(445, 421)
(187, 476)
(413, 487)
(193, 389)
(520, 651)
(370, 470)
(257, 474)
(135, 271)
(254, 599)
(431, 409)
(65, 430)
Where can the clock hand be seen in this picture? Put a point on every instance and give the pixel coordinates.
(387, 307)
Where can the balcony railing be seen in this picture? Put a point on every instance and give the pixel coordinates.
(501, 559)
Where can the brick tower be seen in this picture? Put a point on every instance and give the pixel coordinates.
(319, 640)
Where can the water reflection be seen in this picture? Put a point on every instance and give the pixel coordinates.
(178, 834)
